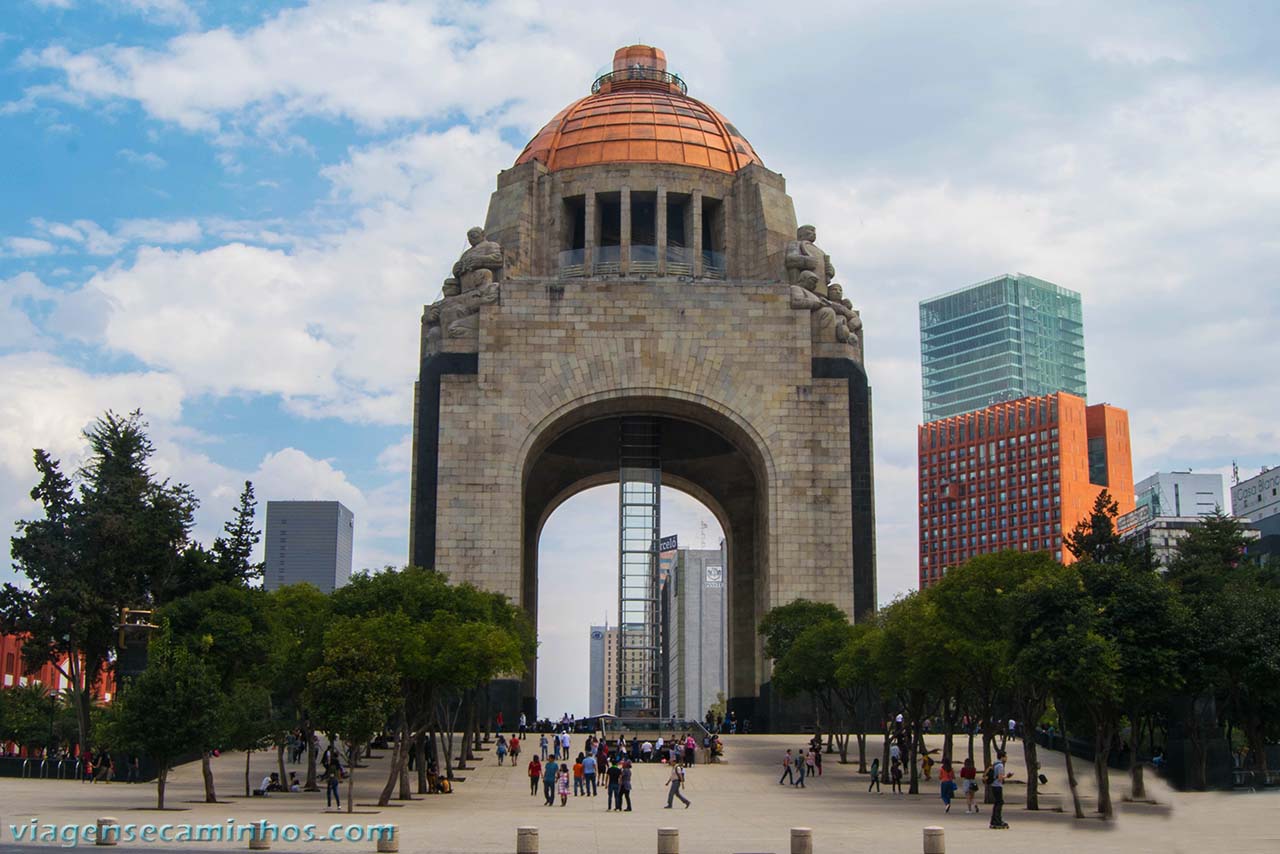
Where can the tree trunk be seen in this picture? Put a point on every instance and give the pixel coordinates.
(393, 773)
(914, 787)
(1071, 771)
(420, 745)
(310, 786)
(248, 754)
(352, 752)
(970, 742)
(1137, 785)
(1101, 752)
(1029, 749)
(160, 781)
(284, 775)
(842, 743)
(862, 751)
(206, 771)
(884, 759)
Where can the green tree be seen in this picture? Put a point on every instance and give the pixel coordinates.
(354, 691)
(783, 624)
(233, 552)
(297, 615)
(169, 710)
(227, 627)
(809, 666)
(1095, 537)
(120, 540)
(855, 681)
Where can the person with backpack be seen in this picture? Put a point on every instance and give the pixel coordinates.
(675, 781)
(800, 768)
(875, 776)
(947, 783)
(550, 771)
(997, 777)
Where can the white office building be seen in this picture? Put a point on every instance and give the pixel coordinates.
(1256, 499)
(1181, 494)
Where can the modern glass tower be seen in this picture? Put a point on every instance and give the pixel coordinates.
(1010, 337)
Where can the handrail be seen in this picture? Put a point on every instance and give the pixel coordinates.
(26, 768)
(639, 73)
(44, 769)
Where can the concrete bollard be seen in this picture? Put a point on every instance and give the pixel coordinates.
(801, 840)
(108, 831)
(526, 840)
(668, 840)
(258, 839)
(389, 840)
(935, 842)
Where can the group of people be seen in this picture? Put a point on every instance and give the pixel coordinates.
(595, 765)
(805, 762)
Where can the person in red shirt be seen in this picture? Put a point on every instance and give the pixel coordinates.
(969, 783)
(535, 774)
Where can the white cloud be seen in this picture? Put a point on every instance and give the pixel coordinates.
(397, 458)
(149, 159)
(28, 247)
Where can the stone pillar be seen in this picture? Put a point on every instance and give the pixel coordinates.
(526, 840)
(108, 831)
(660, 230)
(935, 842)
(389, 840)
(695, 225)
(801, 840)
(624, 227)
(591, 228)
(258, 840)
(668, 840)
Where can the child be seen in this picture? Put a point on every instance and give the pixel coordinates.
(875, 775)
(895, 776)
(562, 784)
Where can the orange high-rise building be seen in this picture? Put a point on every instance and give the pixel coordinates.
(1017, 475)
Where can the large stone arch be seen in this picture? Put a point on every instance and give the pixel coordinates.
(707, 450)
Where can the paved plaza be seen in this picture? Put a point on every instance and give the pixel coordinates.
(738, 806)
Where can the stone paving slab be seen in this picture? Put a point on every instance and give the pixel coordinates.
(737, 807)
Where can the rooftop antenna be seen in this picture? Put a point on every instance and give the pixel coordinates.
(1235, 473)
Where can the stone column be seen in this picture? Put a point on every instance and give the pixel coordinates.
(526, 840)
(591, 228)
(695, 225)
(624, 226)
(801, 840)
(935, 842)
(108, 832)
(660, 227)
(668, 840)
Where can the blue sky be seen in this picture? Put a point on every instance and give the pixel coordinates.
(231, 213)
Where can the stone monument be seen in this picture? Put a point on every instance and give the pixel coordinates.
(640, 263)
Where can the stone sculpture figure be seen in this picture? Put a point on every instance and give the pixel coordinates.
(803, 256)
(832, 318)
(480, 264)
(474, 283)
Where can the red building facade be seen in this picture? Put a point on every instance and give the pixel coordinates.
(1017, 475)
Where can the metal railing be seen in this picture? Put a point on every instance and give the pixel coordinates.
(679, 261)
(573, 263)
(644, 259)
(641, 74)
(606, 261)
(712, 264)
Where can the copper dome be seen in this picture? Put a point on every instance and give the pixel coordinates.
(639, 113)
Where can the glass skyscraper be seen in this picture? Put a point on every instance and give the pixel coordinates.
(1010, 337)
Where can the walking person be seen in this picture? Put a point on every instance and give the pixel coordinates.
(562, 783)
(550, 771)
(875, 776)
(895, 777)
(513, 746)
(787, 773)
(674, 782)
(614, 789)
(690, 751)
(524, 725)
(998, 776)
(811, 762)
(501, 750)
(969, 783)
(800, 769)
(333, 771)
(535, 774)
(589, 775)
(542, 744)
(947, 784)
(565, 742)
(817, 759)
(579, 787)
(624, 785)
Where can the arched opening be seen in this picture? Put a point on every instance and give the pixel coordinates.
(578, 577)
(704, 453)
